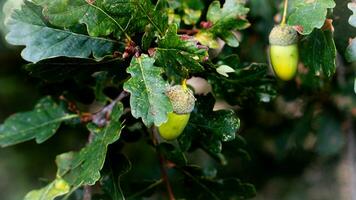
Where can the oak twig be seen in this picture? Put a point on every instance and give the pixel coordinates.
(100, 118)
(87, 193)
(162, 162)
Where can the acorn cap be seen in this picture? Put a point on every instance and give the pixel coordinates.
(283, 35)
(182, 99)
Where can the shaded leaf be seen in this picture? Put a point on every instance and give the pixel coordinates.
(28, 28)
(318, 52)
(101, 81)
(62, 68)
(310, 14)
(39, 124)
(144, 188)
(172, 153)
(147, 88)
(248, 84)
(110, 181)
(214, 188)
(179, 56)
(208, 127)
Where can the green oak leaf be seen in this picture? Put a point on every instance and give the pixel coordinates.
(224, 70)
(309, 14)
(147, 87)
(104, 17)
(352, 19)
(318, 52)
(156, 18)
(350, 53)
(184, 10)
(83, 168)
(225, 20)
(55, 189)
(210, 127)
(39, 124)
(157, 23)
(191, 16)
(179, 56)
(97, 15)
(117, 166)
(27, 27)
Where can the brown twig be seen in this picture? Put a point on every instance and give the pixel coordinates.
(72, 106)
(87, 193)
(162, 162)
(188, 31)
(100, 118)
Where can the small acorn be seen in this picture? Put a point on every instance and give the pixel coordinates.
(284, 56)
(183, 101)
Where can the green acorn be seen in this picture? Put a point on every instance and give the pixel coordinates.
(183, 101)
(284, 56)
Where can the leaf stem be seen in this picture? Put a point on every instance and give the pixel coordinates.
(199, 183)
(162, 162)
(283, 22)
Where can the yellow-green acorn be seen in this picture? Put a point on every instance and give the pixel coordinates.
(284, 56)
(183, 101)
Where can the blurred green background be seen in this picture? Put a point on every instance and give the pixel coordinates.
(301, 145)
